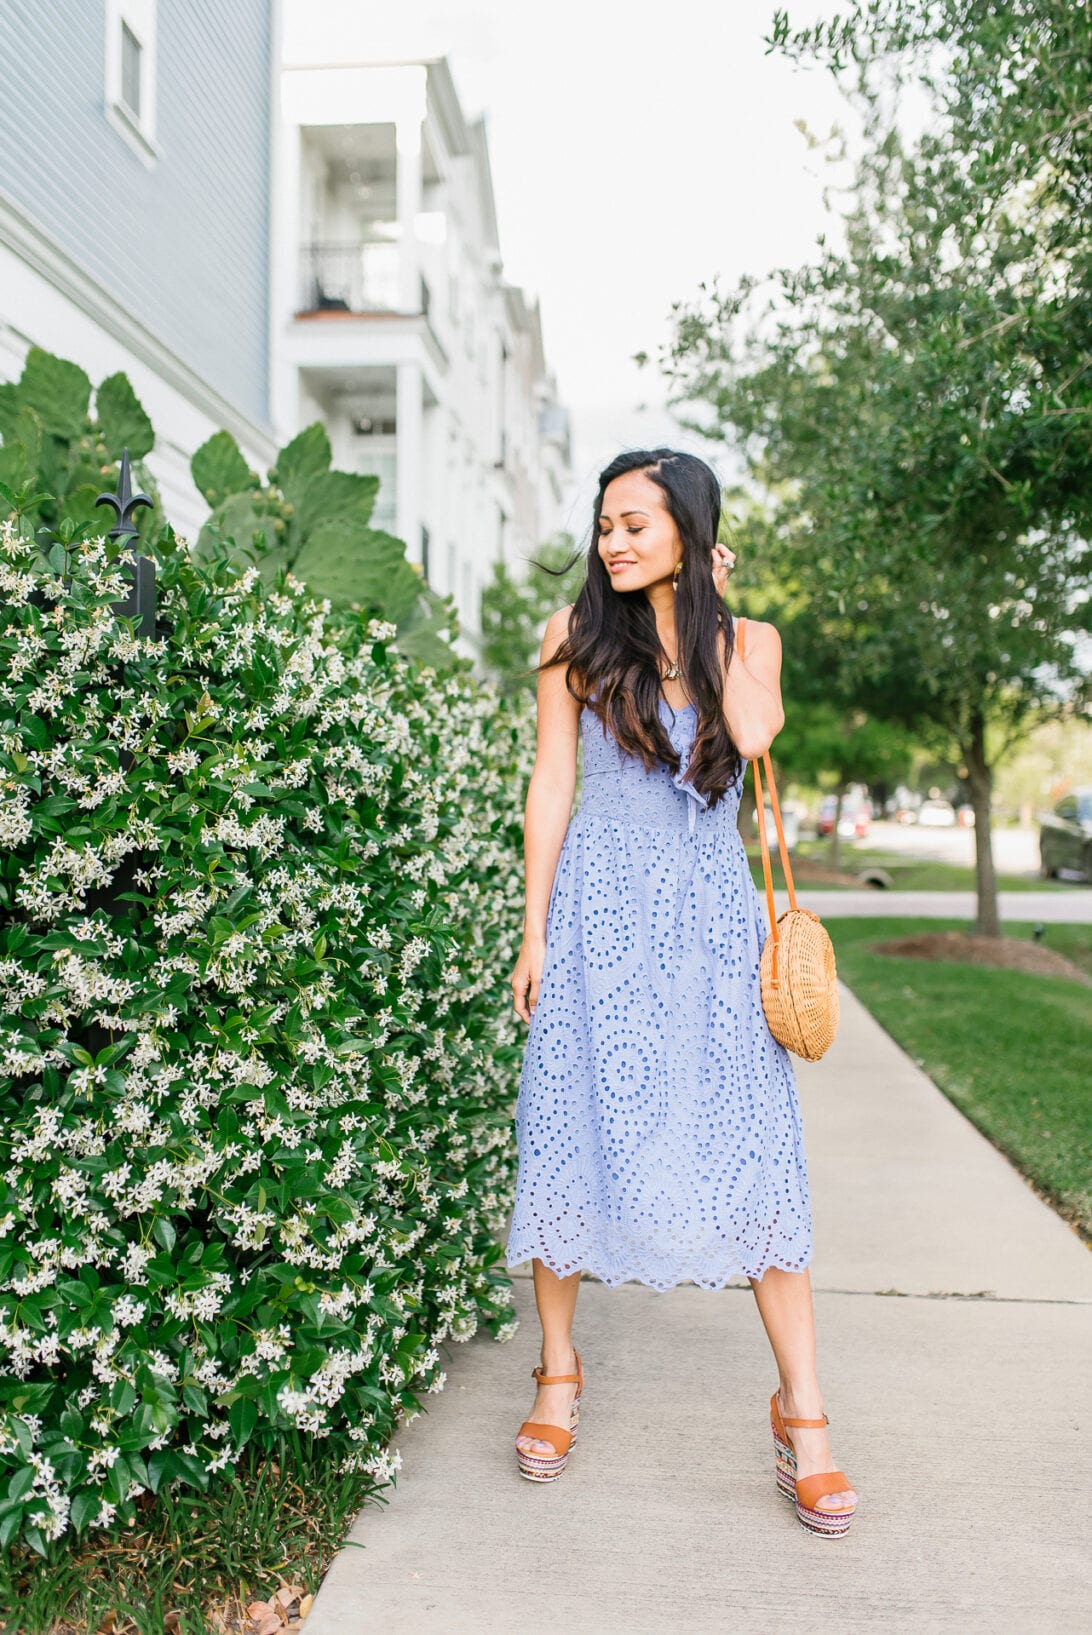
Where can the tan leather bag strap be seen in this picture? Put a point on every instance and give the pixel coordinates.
(782, 848)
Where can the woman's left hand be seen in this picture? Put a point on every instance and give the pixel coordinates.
(724, 560)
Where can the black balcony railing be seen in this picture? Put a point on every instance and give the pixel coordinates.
(342, 278)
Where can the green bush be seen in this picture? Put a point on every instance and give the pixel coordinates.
(316, 522)
(57, 455)
(260, 889)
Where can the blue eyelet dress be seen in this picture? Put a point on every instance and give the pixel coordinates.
(658, 1123)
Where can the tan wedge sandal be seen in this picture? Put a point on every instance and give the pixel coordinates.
(807, 1492)
(544, 1467)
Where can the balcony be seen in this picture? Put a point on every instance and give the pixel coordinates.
(354, 278)
(354, 281)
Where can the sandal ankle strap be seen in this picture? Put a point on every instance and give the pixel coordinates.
(559, 1379)
(806, 1424)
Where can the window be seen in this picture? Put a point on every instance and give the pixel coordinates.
(130, 74)
(130, 70)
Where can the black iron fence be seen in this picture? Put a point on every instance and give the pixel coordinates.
(139, 601)
(139, 604)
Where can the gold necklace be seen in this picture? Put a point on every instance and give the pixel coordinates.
(672, 672)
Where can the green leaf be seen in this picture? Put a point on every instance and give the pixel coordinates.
(122, 419)
(36, 730)
(10, 1526)
(218, 468)
(306, 456)
(85, 1507)
(358, 564)
(57, 390)
(335, 497)
(242, 1417)
(35, 1539)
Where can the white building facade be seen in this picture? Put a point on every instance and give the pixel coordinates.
(393, 324)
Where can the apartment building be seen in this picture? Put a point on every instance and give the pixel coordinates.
(135, 182)
(394, 325)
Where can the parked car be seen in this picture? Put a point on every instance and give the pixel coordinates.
(790, 823)
(936, 814)
(855, 819)
(1065, 836)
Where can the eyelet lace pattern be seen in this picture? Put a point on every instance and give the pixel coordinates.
(658, 1123)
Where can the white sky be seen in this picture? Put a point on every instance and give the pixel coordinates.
(636, 149)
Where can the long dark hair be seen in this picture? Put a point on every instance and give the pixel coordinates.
(612, 651)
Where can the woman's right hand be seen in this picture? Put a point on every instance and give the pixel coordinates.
(528, 974)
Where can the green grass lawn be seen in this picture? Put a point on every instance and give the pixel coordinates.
(1010, 1050)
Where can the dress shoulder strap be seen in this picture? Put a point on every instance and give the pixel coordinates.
(737, 625)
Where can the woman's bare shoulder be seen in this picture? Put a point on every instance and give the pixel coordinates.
(758, 630)
(557, 628)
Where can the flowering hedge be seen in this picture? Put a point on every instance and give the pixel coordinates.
(260, 889)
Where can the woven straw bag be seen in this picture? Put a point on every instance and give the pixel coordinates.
(799, 981)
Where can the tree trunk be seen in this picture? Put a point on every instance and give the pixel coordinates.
(835, 838)
(980, 780)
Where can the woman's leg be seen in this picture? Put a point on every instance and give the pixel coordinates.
(785, 1305)
(556, 1300)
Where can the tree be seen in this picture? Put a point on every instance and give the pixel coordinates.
(514, 611)
(1012, 86)
(915, 400)
(827, 739)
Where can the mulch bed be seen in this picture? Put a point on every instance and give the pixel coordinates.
(963, 948)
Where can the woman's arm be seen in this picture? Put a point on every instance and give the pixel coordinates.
(547, 810)
(753, 711)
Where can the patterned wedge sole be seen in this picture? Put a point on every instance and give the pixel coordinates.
(806, 1491)
(545, 1467)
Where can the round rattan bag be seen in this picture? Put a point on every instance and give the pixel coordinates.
(797, 972)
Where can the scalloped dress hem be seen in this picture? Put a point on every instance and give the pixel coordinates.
(615, 1280)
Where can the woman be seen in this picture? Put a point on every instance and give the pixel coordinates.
(658, 1124)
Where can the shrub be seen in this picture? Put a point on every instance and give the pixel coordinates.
(58, 454)
(259, 894)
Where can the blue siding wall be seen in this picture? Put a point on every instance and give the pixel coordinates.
(184, 246)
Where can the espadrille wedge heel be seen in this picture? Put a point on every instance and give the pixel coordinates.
(806, 1492)
(544, 1467)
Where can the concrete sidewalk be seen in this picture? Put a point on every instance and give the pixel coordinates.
(1052, 907)
(954, 1320)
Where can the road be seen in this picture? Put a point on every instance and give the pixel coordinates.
(1015, 851)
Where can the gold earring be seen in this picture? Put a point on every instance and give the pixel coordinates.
(675, 575)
